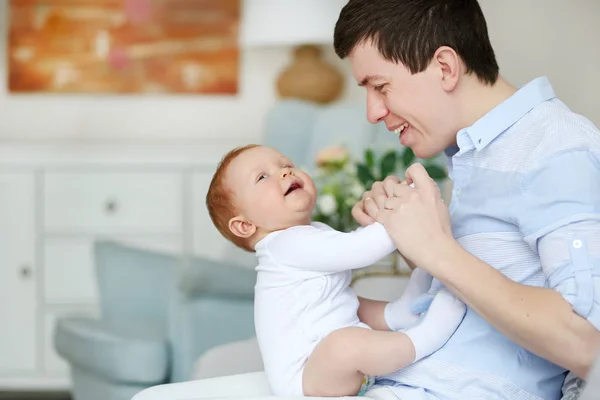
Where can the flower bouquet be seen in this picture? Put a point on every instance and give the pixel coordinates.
(341, 182)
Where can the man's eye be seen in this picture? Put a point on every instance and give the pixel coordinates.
(378, 88)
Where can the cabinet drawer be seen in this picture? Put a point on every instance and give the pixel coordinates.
(69, 272)
(113, 202)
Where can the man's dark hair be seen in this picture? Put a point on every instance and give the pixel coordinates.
(410, 31)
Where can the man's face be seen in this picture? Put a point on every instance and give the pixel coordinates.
(415, 105)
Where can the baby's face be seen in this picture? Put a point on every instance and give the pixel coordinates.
(269, 191)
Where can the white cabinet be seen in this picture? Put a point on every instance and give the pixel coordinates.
(54, 203)
(18, 281)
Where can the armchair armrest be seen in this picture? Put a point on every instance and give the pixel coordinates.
(132, 350)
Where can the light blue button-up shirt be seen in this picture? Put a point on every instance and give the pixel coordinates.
(527, 202)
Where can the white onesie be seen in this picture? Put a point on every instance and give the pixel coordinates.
(303, 293)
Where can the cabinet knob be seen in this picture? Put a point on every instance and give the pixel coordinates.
(111, 206)
(25, 271)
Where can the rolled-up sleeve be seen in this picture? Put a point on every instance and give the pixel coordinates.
(559, 217)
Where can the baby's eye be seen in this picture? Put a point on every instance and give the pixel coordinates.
(261, 177)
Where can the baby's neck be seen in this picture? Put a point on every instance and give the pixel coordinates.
(262, 233)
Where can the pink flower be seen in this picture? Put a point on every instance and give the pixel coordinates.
(138, 10)
(118, 59)
(332, 156)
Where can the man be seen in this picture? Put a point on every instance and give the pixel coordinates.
(526, 203)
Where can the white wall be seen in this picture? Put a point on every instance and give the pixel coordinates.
(557, 38)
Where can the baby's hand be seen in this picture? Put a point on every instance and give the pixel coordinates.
(365, 210)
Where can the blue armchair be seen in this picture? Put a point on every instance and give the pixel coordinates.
(159, 317)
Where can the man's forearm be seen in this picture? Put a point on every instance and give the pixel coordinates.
(538, 319)
(372, 313)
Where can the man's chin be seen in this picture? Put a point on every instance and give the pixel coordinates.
(423, 152)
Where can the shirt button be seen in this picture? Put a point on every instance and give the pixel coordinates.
(457, 192)
(577, 243)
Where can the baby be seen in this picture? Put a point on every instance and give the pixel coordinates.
(316, 337)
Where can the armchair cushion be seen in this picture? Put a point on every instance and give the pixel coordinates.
(134, 283)
(130, 352)
(205, 277)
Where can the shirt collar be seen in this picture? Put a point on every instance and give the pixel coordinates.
(503, 116)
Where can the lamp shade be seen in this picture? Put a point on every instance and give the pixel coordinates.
(288, 22)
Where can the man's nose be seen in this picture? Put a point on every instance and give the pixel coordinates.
(376, 108)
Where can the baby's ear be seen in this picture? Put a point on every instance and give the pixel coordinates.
(241, 227)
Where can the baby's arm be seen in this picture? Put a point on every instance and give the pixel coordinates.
(328, 250)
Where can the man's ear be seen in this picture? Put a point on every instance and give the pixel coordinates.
(241, 227)
(450, 66)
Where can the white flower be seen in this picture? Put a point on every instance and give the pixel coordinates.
(350, 201)
(327, 204)
(357, 190)
(350, 169)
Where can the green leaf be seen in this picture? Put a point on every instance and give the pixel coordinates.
(408, 157)
(318, 217)
(435, 172)
(388, 164)
(365, 175)
(369, 158)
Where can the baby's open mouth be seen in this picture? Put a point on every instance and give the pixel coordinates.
(294, 186)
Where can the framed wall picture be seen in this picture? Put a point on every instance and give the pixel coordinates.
(123, 46)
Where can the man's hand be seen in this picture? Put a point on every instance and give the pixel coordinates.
(416, 217)
(365, 210)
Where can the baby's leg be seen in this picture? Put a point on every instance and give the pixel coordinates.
(398, 314)
(339, 363)
(443, 317)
